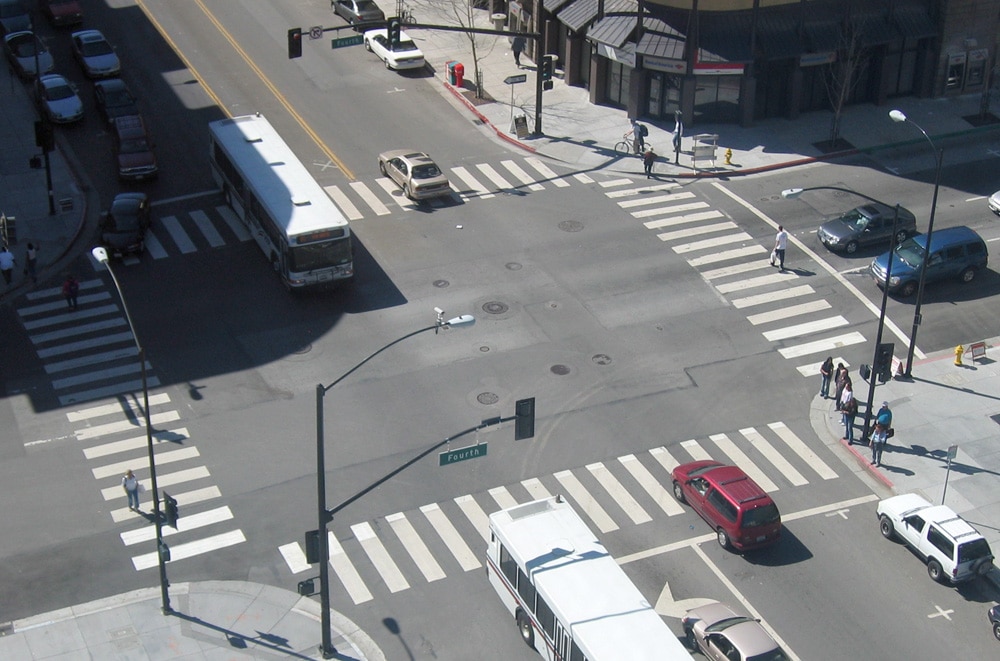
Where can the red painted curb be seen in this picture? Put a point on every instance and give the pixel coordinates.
(866, 463)
(475, 111)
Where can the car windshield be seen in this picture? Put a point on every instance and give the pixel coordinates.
(761, 516)
(118, 97)
(25, 46)
(405, 45)
(855, 219)
(320, 255)
(95, 48)
(910, 252)
(367, 5)
(426, 171)
(126, 223)
(722, 625)
(59, 92)
(134, 146)
(774, 655)
(973, 550)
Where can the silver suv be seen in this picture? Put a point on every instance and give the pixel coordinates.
(953, 550)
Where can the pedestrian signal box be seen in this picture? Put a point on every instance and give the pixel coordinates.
(294, 43)
(524, 418)
(170, 512)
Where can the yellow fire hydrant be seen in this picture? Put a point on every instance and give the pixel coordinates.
(729, 156)
(959, 350)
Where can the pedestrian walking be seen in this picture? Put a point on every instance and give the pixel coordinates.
(879, 438)
(130, 483)
(647, 161)
(884, 416)
(849, 411)
(31, 263)
(780, 241)
(7, 265)
(638, 133)
(678, 134)
(70, 290)
(826, 375)
(840, 379)
(517, 46)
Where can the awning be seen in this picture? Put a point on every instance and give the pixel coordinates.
(778, 35)
(914, 22)
(553, 6)
(822, 37)
(661, 45)
(613, 31)
(725, 38)
(581, 13)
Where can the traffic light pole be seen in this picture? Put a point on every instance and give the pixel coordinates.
(881, 325)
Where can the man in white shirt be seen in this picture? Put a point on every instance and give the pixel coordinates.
(780, 241)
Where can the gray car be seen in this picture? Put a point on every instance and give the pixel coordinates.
(722, 634)
(358, 11)
(14, 17)
(868, 224)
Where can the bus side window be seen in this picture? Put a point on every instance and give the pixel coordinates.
(526, 589)
(545, 616)
(575, 654)
(507, 565)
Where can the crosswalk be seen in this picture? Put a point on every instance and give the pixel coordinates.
(788, 312)
(430, 542)
(114, 439)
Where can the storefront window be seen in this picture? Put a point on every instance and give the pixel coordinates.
(618, 83)
(717, 99)
(664, 94)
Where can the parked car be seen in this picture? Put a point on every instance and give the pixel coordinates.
(415, 172)
(722, 634)
(994, 202)
(14, 17)
(405, 55)
(124, 225)
(955, 253)
(953, 550)
(866, 225)
(58, 99)
(994, 616)
(62, 13)
(95, 54)
(134, 149)
(742, 514)
(24, 50)
(114, 99)
(357, 11)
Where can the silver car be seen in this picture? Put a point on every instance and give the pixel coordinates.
(414, 172)
(722, 634)
(95, 54)
(59, 100)
(358, 11)
(25, 50)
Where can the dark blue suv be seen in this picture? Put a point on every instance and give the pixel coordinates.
(955, 253)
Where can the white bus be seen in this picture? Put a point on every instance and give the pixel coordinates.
(570, 599)
(292, 219)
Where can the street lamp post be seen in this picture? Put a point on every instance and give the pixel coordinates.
(899, 116)
(326, 649)
(101, 255)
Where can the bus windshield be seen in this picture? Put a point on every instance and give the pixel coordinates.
(319, 255)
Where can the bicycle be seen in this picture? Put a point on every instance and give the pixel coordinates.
(625, 147)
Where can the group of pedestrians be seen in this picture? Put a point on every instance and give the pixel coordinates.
(8, 262)
(638, 132)
(847, 405)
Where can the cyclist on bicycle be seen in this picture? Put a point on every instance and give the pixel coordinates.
(638, 133)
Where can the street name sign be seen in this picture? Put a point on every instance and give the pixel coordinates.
(353, 40)
(455, 456)
(519, 78)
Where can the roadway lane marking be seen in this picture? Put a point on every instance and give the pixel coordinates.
(478, 190)
(169, 436)
(119, 388)
(535, 488)
(665, 459)
(503, 497)
(807, 328)
(191, 549)
(735, 269)
(154, 247)
(546, 172)
(70, 347)
(660, 496)
(343, 203)
(522, 176)
(180, 477)
(162, 459)
(387, 569)
(82, 329)
(183, 500)
(98, 375)
(753, 283)
(662, 199)
(586, 502)
(712, 243)
(494, 176)
(694, 449)
(177, 233)
(585, 179)
(687, 195)
(236, 225)
(820, 346)
(800, 448)
(673, 221)
(619, 493)
(739, 458)
(396, 193)
(68, 318)
(790, 311)
(415, 546)
(126, 425)
(370, 198)
(759, 299)
(941, 612)
(207, 229)
(812, 369)
(474, 513)
(185, 523)
(91, 359)
(449, 535)
(346, 572)
(736, 253)
(294, 557)
(133, 408)
(771, 453)
(696, 231)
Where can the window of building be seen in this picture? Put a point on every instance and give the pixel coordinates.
(619, 75)
(717, 99)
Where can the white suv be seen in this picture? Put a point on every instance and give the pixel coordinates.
(953, 550)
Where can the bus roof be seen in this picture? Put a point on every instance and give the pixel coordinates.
(583, 584)
(279, 180)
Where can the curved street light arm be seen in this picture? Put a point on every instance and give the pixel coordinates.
(793, 193)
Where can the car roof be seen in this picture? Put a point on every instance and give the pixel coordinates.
(111, 83)
(943, 516)
(730, 479)
(948, 236)
(53, 79)
(89, 35)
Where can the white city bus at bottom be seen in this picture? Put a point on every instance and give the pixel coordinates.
(570, 599)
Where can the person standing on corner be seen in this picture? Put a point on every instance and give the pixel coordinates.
(884, 416)
(648, 159)
(31, 263)
(849, 409)
(826, 374)
(879, 437)
(70, 289)
(678, 134)
(130, 483)
(7, 265)
(780, 242)
(517, 46)
(840, 379)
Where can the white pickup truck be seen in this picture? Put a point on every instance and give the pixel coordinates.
(953, 550)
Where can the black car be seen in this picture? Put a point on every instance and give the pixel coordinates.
(114, 99)
(866, 225)
(123, 227)
(994, 615)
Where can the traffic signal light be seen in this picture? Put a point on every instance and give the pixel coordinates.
(170, 509)
(546, 67)
(294, 43)
(394, 27)
(883, 361)
(524, 418)
(44, 137)
(312, 546)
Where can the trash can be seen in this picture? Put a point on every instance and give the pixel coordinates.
(459, 74)
(450, 66)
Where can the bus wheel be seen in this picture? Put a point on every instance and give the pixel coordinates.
(527, 631)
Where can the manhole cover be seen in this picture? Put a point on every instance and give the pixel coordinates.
(571, 226)
(495, 307)
(441, 284)
(487, 398)
(602, 359)
(303, 350)
(484, 349)
(560, 370)
(513, 266)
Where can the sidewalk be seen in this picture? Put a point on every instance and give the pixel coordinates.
(212, 620)
(943, 405)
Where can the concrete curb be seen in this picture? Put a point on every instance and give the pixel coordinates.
(475, 111)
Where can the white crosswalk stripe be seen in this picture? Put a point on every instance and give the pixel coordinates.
(522, 176)
(177, 233)
(478, 191)
(415, 546)
(660, 496)
(822, 346)
(615, 489)
(536, 489)
(771, 454)
(344, 203)
(586, 502)
(694, 449)
(546, 172)
(796, 445)
(345, 571)
(294, 557)
(380, 558)
(495, 177)
(780, 295)
(788, 312)
(503, 497)
(475, 514)
(807, 328)
(234, 223)
(191, 549)
(207, 229)
(369, 198)
(449, 535)
(739, 458)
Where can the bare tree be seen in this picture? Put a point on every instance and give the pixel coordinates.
(465, 14)
(845, 73)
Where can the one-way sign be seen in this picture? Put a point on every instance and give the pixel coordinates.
(519, 78)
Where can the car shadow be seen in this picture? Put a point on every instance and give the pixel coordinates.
(788, 551)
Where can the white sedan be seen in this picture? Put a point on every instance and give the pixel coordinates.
(994, 202)
(59, 100)
(405, 55)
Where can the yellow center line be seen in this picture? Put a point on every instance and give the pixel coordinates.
(260, 75)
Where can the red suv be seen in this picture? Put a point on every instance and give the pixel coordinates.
(742, 513)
